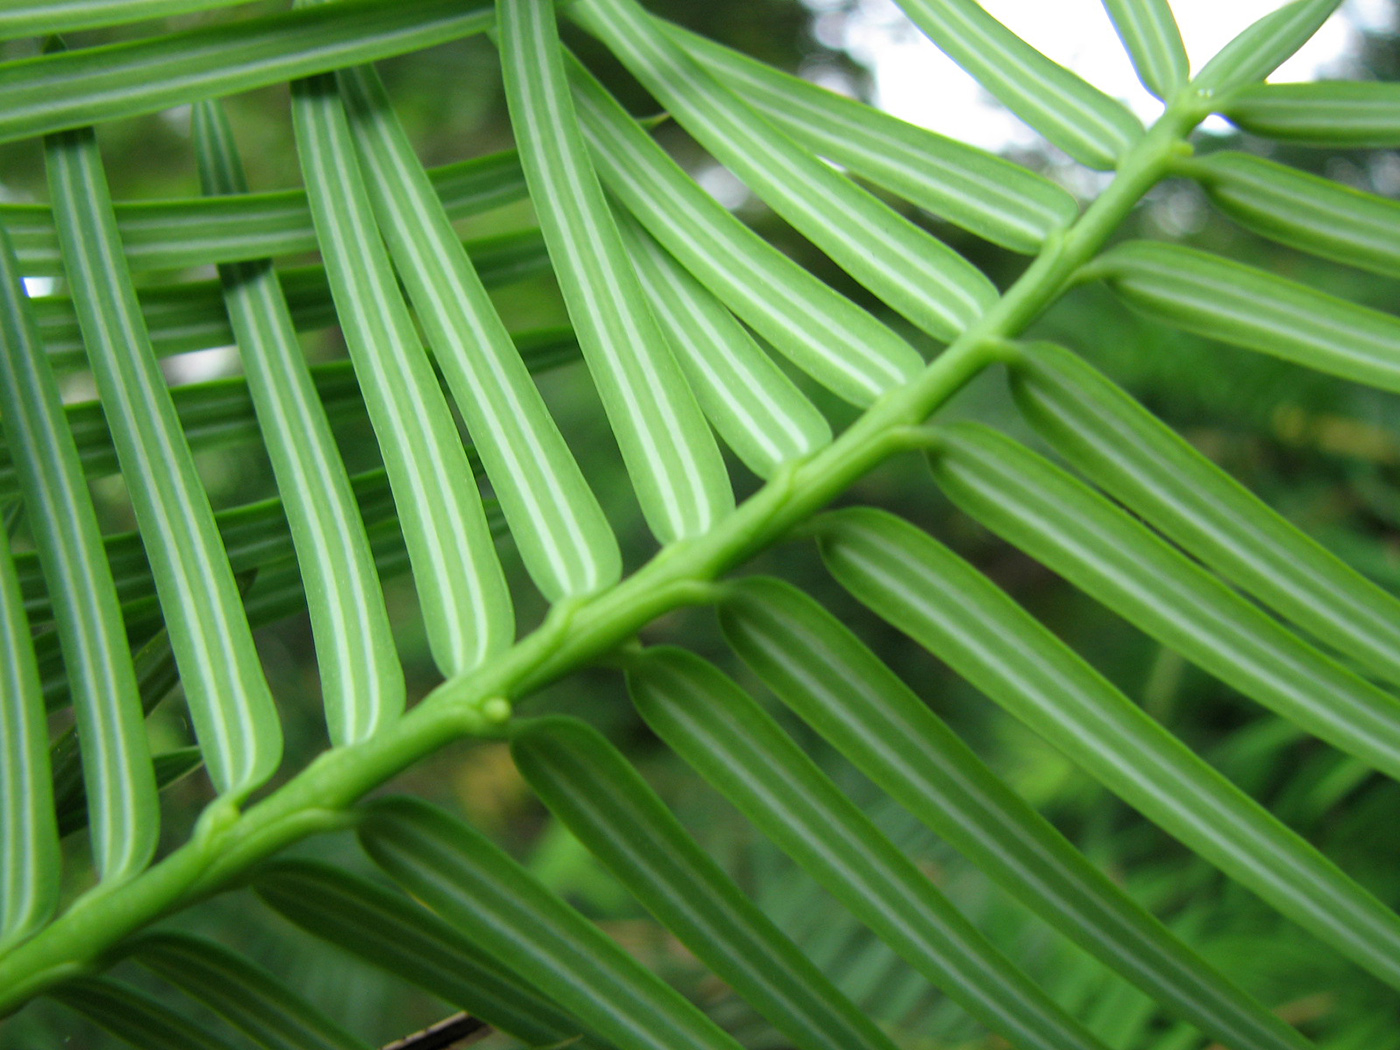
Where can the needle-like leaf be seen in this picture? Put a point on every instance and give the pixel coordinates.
(968, 187)
(254, 535)
(1343, 114)
(591, 787)
(843, 690)
(362, 685)
(120, 787)
(1149, 32)
(729, 740)
(404, 938)
(132, 1015)
(196, 231)
(1102, 550)
(156, 675)
(229, 700)
(43, 17)
(824, 334)
(1141, 462)
(247, 996)
(192, 316)
(670, 453)
(29, 857)
(918, 275)
(561, 532)
(467, 879)
(220, 412)
(925, 590)
(1080, 119)
(466, 606)
(68, 90)
(758, 411)
(1224, 300)
(1263, 47)
(169, 767)
(1302, 210)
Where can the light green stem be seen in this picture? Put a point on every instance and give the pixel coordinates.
(229, 843)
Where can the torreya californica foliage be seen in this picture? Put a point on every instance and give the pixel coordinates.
(696, 333)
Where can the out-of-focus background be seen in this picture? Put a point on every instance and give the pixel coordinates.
(1324, 452)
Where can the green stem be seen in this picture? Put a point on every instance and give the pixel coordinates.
(581, 630)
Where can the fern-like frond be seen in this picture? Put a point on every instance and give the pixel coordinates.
(886, 883)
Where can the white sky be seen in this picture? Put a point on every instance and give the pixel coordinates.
(914, 80)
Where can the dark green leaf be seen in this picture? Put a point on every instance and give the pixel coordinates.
(73, 89)
(839, 687)
(505, 911)
(171, 235)
(247, 996)
(132, 1015)
(924, 589)
(723, 733)
(404, 938)
(1141, 462)
(1105, 552)
(30, 862)
(591, 787)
